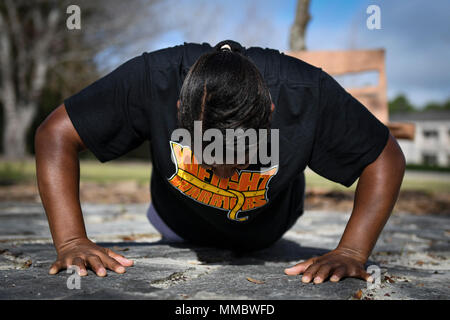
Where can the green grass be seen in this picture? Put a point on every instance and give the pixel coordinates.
(13, 172)
(426, 185)
(118, 171)
(423, 167)
(17, 172)
(410, 182)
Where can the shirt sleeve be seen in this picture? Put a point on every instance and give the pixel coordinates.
(348, 136)
(110, 115)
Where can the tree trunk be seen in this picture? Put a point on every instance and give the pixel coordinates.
(298, 29)
(16, 126)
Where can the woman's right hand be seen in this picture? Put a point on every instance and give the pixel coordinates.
(83, 253)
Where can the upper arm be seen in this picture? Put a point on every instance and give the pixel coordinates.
(391, 157)
(58, 128)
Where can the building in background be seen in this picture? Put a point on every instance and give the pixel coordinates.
(431, 145)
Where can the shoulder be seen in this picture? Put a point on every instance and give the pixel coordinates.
(182, 54)
(295, 70)
(284, 67)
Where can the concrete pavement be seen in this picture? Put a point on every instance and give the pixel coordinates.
(412, 255)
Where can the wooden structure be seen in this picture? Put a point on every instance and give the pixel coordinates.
(338, 63)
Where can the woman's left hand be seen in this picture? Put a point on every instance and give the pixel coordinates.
(336, 264)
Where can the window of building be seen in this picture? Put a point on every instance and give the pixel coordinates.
(429, 159)
(430, 134)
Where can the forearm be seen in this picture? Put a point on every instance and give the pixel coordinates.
(57, 170)
(376, 193)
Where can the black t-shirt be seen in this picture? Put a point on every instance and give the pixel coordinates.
(320, 126)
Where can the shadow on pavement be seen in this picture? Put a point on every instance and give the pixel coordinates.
(283, 250)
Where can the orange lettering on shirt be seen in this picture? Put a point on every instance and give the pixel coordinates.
(266, 176)
(248, 181)
(219, 201)
(184, 186)
(204, 197)
(203, 174)
(193, 192)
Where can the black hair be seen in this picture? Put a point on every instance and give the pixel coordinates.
(225, 90)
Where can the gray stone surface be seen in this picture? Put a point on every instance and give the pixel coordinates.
(412, 253)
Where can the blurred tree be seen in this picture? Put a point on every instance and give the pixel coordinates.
(298, 30)
(446, 104)
(35, 43)
(437, 106)
(432, 106)
(23, 67)
(400, 104)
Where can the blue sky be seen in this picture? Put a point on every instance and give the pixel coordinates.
(415, 34)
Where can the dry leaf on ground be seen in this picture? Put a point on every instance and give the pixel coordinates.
(255, 280)
(358, 294)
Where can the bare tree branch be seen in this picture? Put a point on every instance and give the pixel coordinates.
(7, 82)
(19, 41)
(40, 55)
(298, 30)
